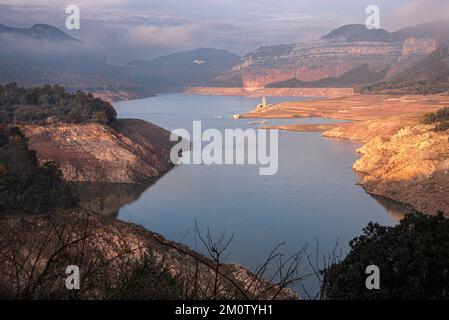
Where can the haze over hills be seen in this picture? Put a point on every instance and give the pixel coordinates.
(44, 54)
(437, 29)
(348, 56)
(187, 68)
(335, 54)
(359, 32)
(38, 32)
(429, 75)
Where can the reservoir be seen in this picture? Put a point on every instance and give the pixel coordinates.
(312, 199)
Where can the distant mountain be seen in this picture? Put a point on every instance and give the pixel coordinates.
(437, 29)
(350, 55)
(429, 75)
(361, 75)
(44, 54)
(359, 32)
(325, 60)
(38, 32)
(187, 68)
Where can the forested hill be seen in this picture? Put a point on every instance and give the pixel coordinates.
(51, 104)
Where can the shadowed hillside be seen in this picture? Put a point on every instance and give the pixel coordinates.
(428, 76)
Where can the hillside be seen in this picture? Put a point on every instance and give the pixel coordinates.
(44, 54)
(357, 76)
(109, 252)
(332, 56)
(38, 32)
(437, 29)
(359, 32)
(187, 68)
(427, 76)
(82, 135)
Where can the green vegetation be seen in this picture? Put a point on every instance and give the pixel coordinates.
(440, 118)
(413, 258)
(147, 280)
(25, 186)
(424, 87)
(51, 104)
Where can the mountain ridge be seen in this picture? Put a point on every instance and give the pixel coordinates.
(426, 76)
(334, 54)
(39, 31)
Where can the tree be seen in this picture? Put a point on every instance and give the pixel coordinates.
(25, 186)
(413, 258)
(38, 105)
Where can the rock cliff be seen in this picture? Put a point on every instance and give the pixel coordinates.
(323, 59)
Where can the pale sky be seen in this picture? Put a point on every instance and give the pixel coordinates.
(142, 29)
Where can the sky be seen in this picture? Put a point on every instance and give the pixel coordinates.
(142, 29)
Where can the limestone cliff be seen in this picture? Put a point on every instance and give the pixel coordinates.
(128, 151)
(323, 59)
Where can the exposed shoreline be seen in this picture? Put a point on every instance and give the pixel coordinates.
(127, 151)
(401, 159)
(258, 92)
(128, 95)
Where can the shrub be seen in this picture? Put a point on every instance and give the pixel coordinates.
(50, 104)
(440, 118)
(413, 258)
(25, 186)
(147, 280)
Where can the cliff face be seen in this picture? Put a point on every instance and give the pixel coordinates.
(130, 151)
(322, 59)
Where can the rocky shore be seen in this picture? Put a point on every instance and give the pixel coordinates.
(36, 250)
(127, 151)
(401, 159)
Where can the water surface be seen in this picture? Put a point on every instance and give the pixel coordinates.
(313, 196)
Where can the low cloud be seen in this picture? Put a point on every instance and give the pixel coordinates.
(418, 11)
(167, 36)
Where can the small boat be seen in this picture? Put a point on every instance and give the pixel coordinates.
(258, 122)
(217, 117)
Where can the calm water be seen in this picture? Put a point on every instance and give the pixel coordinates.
(313, 196)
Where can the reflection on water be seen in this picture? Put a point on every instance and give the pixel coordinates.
(394, 208)
(108, 198)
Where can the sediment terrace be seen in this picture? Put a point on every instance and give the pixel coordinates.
(402, 159)
(127, 151)
(258, 92)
